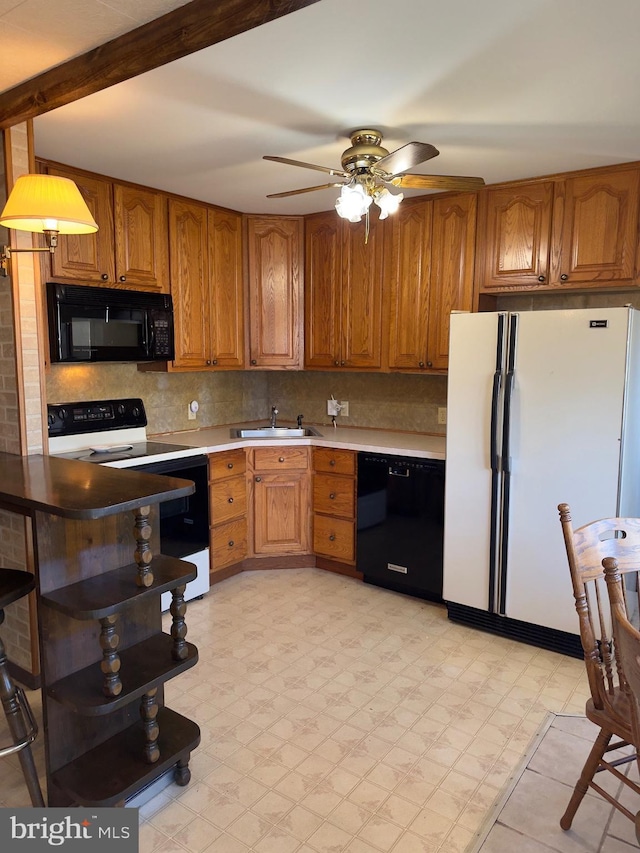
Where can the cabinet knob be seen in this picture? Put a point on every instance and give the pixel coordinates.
(429, 364)
(332, 537)
(230, 500)
(332, 496)
(207, 361)
(231, 543)
(332, 462)
(337, 363)
(258, 479)
(122, 278)
(280, 458)
(342, 364)
(253, 361)
(104, 276)
(214, 361)
(421, 364)
(564, 277)
(541, 278)
(229, 465)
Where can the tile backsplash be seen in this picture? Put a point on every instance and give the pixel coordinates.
(387, 401)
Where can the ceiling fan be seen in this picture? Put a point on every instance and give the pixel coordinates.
(367, 167)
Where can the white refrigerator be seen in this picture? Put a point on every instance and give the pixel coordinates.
(543, 408)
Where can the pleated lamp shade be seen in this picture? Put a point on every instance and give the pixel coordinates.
(40, 203)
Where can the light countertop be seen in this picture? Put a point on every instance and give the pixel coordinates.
(213, 439)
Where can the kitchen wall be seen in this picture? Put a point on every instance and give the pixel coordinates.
(384, 400)
(225, 397)
(375, 400)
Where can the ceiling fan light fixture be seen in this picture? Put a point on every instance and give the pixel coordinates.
(387, 202)
(353, 202)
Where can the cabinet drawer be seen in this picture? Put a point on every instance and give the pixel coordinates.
(227, 464)
(334, 495)
(228, 543)
(334, 461)
(334, 538)
(227, 499)
(277, 458)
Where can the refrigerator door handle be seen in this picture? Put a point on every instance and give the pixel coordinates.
(506, 462)
(495, 462)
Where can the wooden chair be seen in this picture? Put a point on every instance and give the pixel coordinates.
(627, 643)
(608, 706)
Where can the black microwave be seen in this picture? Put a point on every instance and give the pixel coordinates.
(89, 323)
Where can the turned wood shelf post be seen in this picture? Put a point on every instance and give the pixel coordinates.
(178, 626)
(143, 554)
(148, 713)
(110, 664)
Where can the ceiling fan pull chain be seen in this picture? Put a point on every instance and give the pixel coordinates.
(366, 227)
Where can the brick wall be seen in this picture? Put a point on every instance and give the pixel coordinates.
(20, 392)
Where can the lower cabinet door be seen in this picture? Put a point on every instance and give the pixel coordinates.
(228, 543)
(281, 513)
(334, 538)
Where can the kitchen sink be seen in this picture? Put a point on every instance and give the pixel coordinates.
(273, 432)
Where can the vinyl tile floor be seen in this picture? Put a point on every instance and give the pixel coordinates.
(338, 716)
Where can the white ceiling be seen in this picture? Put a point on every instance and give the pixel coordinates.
(503, 88)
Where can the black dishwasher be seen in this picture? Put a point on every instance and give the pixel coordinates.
(401, 523)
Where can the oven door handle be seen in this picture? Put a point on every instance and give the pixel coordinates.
(171, 467)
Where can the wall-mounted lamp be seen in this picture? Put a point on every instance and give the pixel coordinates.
(44, 204)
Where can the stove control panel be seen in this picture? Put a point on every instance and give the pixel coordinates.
(95, 416)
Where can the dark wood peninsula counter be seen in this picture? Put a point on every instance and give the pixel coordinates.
(104, 657)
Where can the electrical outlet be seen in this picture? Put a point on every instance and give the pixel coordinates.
(442, 414)
(333, 408)
(344, 408)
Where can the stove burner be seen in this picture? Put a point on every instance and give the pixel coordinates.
(110, 448)
(107, 456)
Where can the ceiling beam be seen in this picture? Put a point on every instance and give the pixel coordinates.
(185, 30)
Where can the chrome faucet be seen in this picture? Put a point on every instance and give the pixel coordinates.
(274, 415)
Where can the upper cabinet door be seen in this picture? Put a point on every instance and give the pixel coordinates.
(87, 258)
(596, 226)
(226, 282)
(189, 282)
(323, 288)
(362, 295)
(275, 245)
(452, 261)
(408, 274)
(141, 238)
(513, 236)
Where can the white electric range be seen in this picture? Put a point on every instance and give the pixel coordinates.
(113, 433)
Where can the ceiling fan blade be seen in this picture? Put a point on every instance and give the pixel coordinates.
(406, 157)
(436, 182)
(303, 190)
(289, 162)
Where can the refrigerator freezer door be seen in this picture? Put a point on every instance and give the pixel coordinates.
(567, 413)
(468, 481)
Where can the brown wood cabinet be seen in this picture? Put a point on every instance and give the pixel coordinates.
(429, 274)
(334, 504)
(130, 248)
(571, 232)
(343, 293)
(206, 285)
(228, 509)
(279, 480)
(274, 260)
